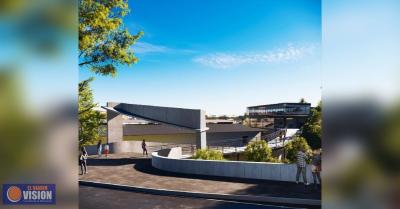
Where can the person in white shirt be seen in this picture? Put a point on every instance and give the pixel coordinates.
(82, 160)
(301, 166)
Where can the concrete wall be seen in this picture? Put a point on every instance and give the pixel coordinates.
(114, 126)
(175, 153)
(190, 118)
(250, 170)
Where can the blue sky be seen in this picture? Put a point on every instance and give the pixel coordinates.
(220, 56)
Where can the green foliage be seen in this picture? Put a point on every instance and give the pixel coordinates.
(258, 151)
(312, 130)
(104, 42)
(207, 154)
(89, 119)
(294, 146)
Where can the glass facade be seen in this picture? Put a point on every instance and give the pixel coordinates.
(280, 109)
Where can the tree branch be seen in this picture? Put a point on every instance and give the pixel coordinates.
(87, 62)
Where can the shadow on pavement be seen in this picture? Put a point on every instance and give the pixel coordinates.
(114, 161)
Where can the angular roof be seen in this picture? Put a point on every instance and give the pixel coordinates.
(279, 104)
(161, 129)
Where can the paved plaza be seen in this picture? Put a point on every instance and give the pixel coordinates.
(136, 170)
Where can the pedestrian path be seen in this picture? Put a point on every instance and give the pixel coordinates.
(136, 170)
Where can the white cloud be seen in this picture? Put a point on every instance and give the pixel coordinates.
(148, 48)
(229, 60)
(145, 48)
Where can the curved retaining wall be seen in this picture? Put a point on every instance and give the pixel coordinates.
(163, 160)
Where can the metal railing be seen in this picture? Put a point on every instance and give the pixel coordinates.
(225, 146)
(273, 135)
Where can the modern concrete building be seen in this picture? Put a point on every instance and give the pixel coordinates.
(282, 115)
(216, 135)
(167, 125)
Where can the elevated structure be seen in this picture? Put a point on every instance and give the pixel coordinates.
(190, 119)
(283, 115)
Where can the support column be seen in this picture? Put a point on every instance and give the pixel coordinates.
(201, 140)
(114, 126)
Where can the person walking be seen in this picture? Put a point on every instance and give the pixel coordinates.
(82, 160)
(316, 166)
(144, 147)
(99, 148)
(301, 166)
(106, 149)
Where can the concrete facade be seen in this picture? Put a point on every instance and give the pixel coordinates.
(187, 118)
(114, 126)
(239, 169)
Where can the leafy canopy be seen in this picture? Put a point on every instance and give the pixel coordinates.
(312, 129)
(89, 119)
(104, 42)
(297, 144)
(258, 151)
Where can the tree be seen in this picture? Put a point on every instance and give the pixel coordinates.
(291, 149)
(104, 42)
(302, 100)
(311, 130)
(89, 119)
(258, 151)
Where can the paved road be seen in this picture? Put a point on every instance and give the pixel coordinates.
(100, 198)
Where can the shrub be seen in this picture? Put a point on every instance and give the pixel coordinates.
(294, 146)
(274, 160)
(207, 154)
(258, 151)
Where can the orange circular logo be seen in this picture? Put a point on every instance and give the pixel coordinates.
(14, 194)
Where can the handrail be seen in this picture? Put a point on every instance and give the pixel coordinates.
(272, 135)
